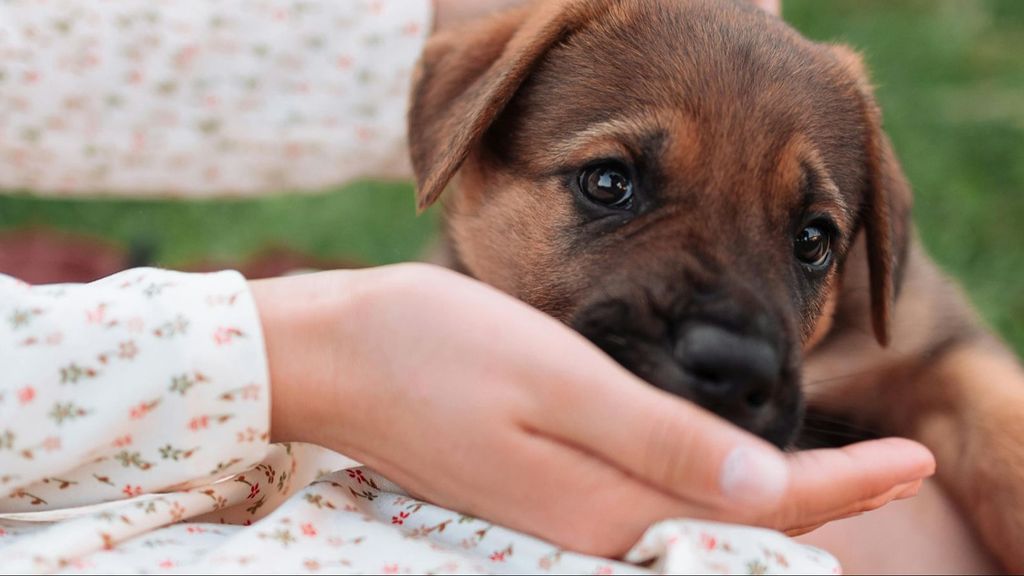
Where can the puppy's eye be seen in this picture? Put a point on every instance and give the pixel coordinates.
(608, 184)
(813, 245)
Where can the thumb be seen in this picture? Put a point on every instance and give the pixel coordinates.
(664, 440)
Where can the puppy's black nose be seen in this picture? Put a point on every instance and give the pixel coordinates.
(734, 374)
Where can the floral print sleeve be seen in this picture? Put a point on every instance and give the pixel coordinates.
(136, 383)
(197, 98)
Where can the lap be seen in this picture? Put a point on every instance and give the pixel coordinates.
(925, 534)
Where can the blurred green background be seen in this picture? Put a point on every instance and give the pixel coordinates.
(950, 78)
(949, 75)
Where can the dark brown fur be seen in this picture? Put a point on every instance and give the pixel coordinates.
(737, 127)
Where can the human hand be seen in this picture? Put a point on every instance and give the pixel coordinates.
(472, 400)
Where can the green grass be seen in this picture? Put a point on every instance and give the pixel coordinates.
(370, 223)
(950, 78)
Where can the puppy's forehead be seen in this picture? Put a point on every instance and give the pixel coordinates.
(721, 75)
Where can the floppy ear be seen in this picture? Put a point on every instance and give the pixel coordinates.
(465, 79)
(886, 208)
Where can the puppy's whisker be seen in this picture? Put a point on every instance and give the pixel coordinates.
(859, 374)
(853, 436)
(616, 339)
(813, 421)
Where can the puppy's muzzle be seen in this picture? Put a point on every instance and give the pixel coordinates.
(728, 355)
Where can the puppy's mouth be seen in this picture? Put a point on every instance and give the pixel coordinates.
(750, 377)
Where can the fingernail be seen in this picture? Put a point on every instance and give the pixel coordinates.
(753, 476)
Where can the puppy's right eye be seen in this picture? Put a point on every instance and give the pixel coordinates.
(813, 245)
(608, 184)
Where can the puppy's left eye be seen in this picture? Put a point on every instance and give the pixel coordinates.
(813, 245)
(608, 184)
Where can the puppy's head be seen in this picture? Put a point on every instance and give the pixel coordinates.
(680, 181)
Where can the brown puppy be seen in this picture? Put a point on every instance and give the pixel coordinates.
(710, 198)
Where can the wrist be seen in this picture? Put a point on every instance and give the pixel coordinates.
(300, 317)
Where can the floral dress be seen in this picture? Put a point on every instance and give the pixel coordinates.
(191, 98)
(134, 411)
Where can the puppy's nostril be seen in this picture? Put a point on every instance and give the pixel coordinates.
(709, 379)
(757, 398)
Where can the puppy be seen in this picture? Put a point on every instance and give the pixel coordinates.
(711, 199)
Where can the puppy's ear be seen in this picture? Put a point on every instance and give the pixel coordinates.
(465, 79)
(887, 204)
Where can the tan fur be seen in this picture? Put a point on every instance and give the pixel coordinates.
(512, 104)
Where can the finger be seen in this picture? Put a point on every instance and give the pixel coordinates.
(794, 532)
(829, 484)
(664, 440)
(897, 493)
(575, 500)
(910, 490)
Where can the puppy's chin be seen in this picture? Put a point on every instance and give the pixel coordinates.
(647, 345)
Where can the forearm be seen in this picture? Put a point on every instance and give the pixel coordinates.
(131, 384)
